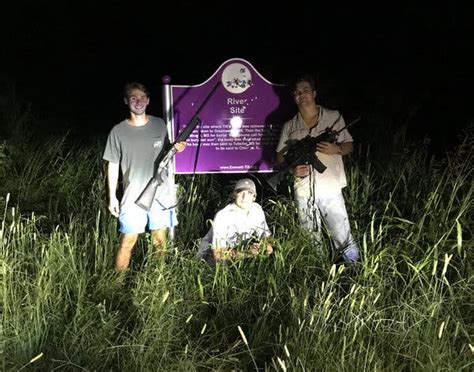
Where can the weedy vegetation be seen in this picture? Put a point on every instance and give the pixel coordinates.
(406, 306)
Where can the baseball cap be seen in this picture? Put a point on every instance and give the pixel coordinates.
(245, 184)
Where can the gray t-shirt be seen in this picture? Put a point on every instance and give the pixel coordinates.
(136, 149)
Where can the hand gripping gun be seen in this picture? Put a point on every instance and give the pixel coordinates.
(303, 151)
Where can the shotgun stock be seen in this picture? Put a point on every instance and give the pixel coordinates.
(145, 200)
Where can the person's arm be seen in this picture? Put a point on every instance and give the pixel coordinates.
(256, 248)
(346, 147)
(112, 181)
(222, 254)
(328, 148)
(298, 171)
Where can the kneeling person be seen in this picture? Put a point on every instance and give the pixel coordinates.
(243, 220)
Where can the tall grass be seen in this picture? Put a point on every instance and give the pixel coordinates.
(406, 306)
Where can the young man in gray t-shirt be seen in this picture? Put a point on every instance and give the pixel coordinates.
(133, 146)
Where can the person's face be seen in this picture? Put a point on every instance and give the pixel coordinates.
(244, 198)
(304, 94)
(137, 101)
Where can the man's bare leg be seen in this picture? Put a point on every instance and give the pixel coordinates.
(158, 239)
(122, 260)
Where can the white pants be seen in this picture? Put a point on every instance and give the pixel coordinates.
(332, 210)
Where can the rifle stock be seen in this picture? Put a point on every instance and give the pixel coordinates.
(145, 200)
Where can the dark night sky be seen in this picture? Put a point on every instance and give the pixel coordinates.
(71, 61)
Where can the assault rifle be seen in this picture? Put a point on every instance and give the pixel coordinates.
(303, 151)
(145, 200)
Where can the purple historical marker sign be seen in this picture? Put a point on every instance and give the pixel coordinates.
(240, 124)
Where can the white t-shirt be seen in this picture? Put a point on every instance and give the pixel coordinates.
(233, 224)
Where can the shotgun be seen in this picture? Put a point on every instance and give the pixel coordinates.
(145, 200)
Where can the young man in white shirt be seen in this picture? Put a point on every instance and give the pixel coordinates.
(319, 196)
